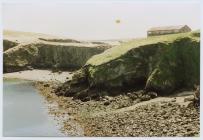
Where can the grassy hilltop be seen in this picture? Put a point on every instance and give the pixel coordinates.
(162, 64)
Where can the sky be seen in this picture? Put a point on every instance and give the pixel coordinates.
(99, 20)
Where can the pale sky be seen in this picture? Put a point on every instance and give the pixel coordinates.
(97, 20)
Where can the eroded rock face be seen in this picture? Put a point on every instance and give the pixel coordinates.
(48, 56)
(19, 57)
(129, 70)
(157, 64)
(178, 67)
(46, 52)
(197, 96)
(9, 44)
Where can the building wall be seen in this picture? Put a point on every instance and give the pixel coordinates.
(154, 33)
(164, 32)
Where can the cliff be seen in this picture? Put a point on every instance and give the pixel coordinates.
(162, 64)
(22, 50)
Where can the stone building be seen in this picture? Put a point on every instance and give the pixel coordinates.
(155, 31)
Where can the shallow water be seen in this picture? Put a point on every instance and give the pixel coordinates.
(25, 112)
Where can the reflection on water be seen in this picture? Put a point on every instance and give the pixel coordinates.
(24, 112)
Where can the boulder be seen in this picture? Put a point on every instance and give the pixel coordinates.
(29, 67)
(46, 85)
(106, 103)
(152, 94)
(197, 96)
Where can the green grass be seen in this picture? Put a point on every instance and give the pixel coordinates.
(118, 51)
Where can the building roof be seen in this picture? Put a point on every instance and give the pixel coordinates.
(164, 28)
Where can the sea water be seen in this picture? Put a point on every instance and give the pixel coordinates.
(25, 112)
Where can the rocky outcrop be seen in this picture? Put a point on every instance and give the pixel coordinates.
(39, 51)
(160, 64)
(8, 44)
(197, 96)
(48, 56)
(179, 67)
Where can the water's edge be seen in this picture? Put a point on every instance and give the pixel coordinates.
(25, 112)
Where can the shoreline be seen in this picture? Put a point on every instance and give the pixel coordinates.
(57, 110)
(122, 116)
(40, 75)
(98, 119)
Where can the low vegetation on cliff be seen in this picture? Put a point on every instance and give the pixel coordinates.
(161, 64)
(23, 50)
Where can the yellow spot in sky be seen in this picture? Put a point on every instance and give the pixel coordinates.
(118, 21)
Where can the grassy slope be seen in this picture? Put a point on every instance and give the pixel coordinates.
(118, 51)
(162, 64)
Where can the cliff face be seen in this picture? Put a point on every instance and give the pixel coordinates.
(178, 67)
(48, 56)
(161, 64)
(8, 44)
(49, 53)
(64, 57)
